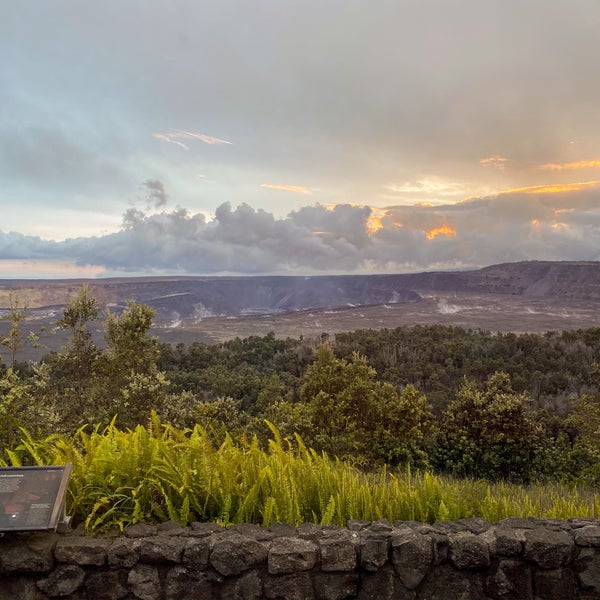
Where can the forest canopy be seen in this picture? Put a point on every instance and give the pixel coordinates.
(499, 406)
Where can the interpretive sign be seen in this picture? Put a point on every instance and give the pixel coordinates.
(33, 498)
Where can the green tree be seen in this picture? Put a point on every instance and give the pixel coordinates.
(221, 417)
(14, 340)
(128, 381)
(83, 384)
(76, 363)
(584, 419)
(80, 311)
(14, 401)
(19, 407)
(355, 416)
(65, 380)
(406, 427)
(490, 433)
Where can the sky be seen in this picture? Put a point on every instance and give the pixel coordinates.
(307, 137)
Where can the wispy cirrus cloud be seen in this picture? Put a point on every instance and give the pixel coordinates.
(572, 166)
(167, 138)
(433, 190)
(175, 135)
(434, 186)
(297, 189)
(495, 162)
(552, 188)
(207, 139)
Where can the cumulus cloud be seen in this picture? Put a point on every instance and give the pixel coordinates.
(340, 238)
(153, 197)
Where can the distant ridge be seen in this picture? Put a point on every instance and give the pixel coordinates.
(533, 279)
(197, 297)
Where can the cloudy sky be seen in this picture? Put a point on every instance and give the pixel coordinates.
(284, 136)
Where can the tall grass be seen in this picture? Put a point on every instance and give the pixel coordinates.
(159, 473)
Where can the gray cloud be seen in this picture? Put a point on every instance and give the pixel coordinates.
(16, 245)
(343, 238)
(378, 103)
(154, 192)
(51, 156)
(357, 95)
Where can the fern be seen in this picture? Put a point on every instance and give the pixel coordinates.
(160, 472)
(328, 515)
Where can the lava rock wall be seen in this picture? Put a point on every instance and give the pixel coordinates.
(515, 559)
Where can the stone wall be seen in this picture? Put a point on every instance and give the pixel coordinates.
(518, 559)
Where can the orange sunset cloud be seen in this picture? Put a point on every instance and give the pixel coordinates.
(572, 166)
(552, 189)
(443, 230)
(298, 189)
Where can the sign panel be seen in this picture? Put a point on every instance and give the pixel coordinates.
(33, 498)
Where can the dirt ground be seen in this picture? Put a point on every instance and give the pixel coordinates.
(487, 312)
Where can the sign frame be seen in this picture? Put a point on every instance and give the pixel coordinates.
(32, 498)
